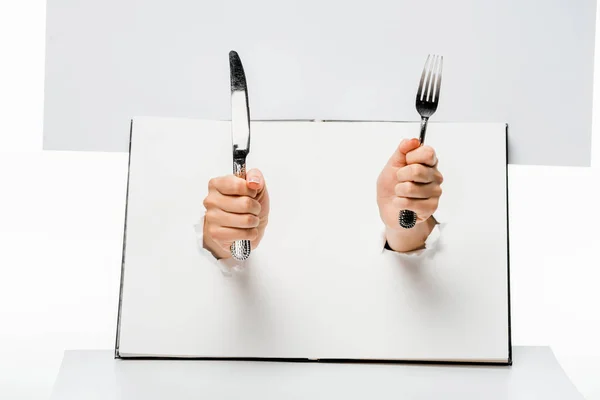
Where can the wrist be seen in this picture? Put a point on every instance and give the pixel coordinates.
(215, 250)
(213, 247)
(405, 240)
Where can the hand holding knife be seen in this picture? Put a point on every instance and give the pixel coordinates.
(240, 135)
(237, 205)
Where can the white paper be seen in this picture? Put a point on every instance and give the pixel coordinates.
(318, 286)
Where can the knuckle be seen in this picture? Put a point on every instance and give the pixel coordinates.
(251, 193)
(240, 186)
(402, 203)
(214, 183)
(250, 220)
(247, 204)
(399, 174)
(413, 170)
(209, 216)
(399, 189)
(214, 231)
(252, 234)
(420, 172)
(428, 152)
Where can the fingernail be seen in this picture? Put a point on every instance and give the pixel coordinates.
(254, 179)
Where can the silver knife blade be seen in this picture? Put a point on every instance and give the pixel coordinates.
(240, 110)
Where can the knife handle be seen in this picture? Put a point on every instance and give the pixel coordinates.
(240, 249)
(407, 218)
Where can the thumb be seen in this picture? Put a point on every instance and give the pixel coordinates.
(398, 159)
(255, 180)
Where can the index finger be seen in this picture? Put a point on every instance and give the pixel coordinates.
(422, 155)
(231, 185)
(398, 159)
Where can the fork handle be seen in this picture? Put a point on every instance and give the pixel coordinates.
(240, 249)
(424, 121)
(407, 218)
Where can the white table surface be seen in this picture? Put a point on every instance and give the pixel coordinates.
(95, 374)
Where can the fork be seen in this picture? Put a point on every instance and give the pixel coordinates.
(428, 96)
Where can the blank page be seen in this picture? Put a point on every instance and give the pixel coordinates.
(320, 285)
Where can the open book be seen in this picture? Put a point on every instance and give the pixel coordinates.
(320, 286)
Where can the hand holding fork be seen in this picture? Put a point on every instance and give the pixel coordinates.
(428, 96)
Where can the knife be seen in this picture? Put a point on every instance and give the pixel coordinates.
(240, 135)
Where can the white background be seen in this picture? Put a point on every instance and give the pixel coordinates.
(168, 59)
(61, 218)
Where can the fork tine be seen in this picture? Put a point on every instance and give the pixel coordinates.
(433, 78)
(428, 85)
(439, 80)
(420, 90)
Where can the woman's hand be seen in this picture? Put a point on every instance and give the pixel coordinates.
(236, 209)
(409, 181)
